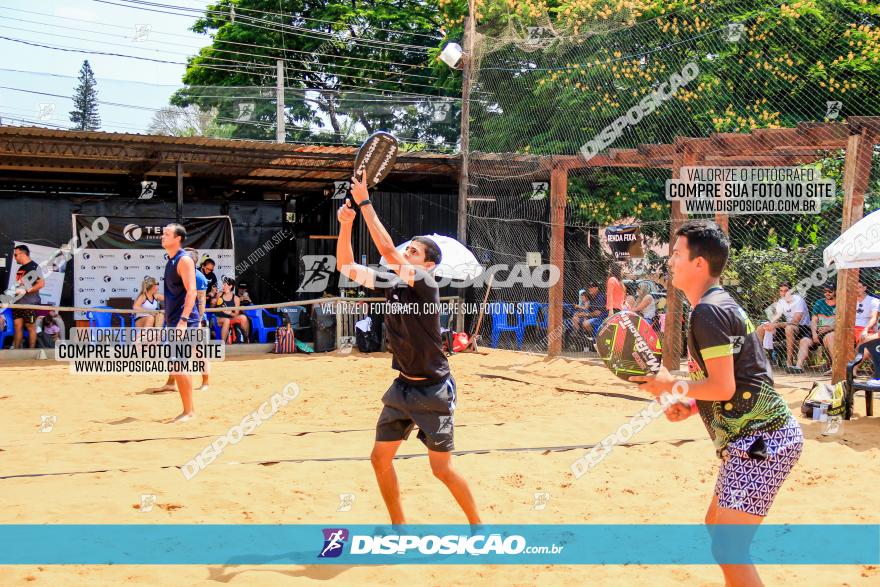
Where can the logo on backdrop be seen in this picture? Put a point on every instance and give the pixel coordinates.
(625, 242)
(334, 541)
(318, 269)
(132, 232)
(148, 190)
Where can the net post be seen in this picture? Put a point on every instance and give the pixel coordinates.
(672, 333)
(467, 73)
(856, 174)
(558, 199)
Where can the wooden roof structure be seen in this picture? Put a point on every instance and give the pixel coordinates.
(242, 163)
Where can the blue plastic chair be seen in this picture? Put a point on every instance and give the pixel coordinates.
(101, 319)
(258, 324)
(533, 314)
(214, 325)
(9, 330)
(499, 312)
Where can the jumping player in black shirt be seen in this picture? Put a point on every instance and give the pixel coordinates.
(424, 392)
(731, 388)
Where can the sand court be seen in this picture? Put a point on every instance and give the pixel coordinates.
(521, 422)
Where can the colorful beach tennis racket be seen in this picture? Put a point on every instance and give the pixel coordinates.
(629, 345)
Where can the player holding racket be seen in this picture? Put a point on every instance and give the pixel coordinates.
(755, 435)
(424, 393)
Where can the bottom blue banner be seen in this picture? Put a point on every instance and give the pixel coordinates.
(180, 544)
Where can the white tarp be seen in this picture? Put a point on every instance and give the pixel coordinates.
(858, 247)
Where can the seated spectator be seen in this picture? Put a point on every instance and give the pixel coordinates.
(598, 311)
(866, 319)
(148, 299)
(243, 295)
(791, 316)
(53, 325)
(643, 303)
(821, 328)
(867, 310)
(211, 294)
(579, 320)
(227, 320)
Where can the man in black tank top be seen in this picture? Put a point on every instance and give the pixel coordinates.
(424, 393)
(180, 302)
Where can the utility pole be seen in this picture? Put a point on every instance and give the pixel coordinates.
(280, 131)
(463, 180)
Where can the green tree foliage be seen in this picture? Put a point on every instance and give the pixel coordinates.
(604, 56)
(85, 101)
(342, 62)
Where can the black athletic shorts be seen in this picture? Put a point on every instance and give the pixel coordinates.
(28, 316)
(430, 407)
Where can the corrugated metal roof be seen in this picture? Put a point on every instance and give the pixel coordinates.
(263, 163)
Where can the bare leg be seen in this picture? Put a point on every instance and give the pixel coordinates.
(804, 351)
(184, 384)
(32, 335)
(734, 575)
(441, 466)
(18, 336)
(789, 342)
(382, 459)
(224, 328)
(828, 341)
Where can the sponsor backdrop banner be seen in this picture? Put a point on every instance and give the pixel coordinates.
(53, 272)
(625, 242)
(116, 264)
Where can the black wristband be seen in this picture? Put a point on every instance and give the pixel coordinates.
(365, 202)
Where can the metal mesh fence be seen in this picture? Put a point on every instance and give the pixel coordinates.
(609, 92)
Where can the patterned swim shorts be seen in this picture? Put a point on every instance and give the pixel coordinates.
(750, 484)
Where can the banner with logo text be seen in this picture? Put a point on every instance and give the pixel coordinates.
(519, 544)
(116, 263)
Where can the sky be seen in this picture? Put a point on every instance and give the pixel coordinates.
(94, 26)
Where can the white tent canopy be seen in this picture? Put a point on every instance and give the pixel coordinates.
(457, 263)
(858, 247)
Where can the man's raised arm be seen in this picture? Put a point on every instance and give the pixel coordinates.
(380, 236)
(344, 253)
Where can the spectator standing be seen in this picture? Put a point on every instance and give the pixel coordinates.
(28, 283)
(615, 293)
(207, 269)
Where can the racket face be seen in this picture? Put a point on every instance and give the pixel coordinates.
(628, 345)
(375, 159)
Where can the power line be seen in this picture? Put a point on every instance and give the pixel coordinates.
(308, 19)
(73, 50)
(217, 40)
(226, 68)
(369, 96)
(195, 60)
(251, 21)
(150, 109)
